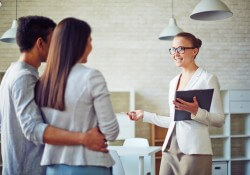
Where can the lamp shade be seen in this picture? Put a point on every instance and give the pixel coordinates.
(10, 35)
(211, 10)
(170, 31)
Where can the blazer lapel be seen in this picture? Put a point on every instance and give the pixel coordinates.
(194, 79)
(174, 86)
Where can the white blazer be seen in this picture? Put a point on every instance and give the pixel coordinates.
(192, 135)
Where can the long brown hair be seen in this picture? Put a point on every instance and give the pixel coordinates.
(68, 44)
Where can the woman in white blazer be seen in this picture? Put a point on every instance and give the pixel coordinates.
(187, 147)
(75, 97)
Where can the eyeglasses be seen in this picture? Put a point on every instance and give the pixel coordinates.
(179, 50)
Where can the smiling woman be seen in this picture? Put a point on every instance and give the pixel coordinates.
(187, 142)
(184, 50)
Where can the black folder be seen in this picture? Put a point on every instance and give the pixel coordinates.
(203, 96)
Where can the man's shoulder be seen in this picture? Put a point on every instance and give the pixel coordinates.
(17, 75)
(18, 70)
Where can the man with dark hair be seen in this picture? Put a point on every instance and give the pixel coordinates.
(29, 31)
(23, 130)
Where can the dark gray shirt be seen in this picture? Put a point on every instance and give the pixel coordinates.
(22, 126)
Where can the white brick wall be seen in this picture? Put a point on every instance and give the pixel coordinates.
(127, 49)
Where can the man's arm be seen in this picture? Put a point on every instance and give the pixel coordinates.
(92, 139)
(34, 128)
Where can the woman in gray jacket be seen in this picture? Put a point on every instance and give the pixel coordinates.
(75, 97)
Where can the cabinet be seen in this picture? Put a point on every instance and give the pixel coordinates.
(219, 168)
(231, 143)
(123, 100)
(158, 135)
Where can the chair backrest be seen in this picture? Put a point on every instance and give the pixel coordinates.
(136, 142)
(117, 167)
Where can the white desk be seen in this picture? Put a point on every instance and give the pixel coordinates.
(140, 152)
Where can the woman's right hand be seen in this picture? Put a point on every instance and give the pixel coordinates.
(136, 115)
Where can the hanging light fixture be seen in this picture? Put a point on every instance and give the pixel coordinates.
(172, 29)
(10, 35)
(211, 10)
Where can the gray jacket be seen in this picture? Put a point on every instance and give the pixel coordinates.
(88, 105)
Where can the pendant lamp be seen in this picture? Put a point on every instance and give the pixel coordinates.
(10, 35)
(172, 29)
(211, 10)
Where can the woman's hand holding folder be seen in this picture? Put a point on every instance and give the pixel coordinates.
(182, 105)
